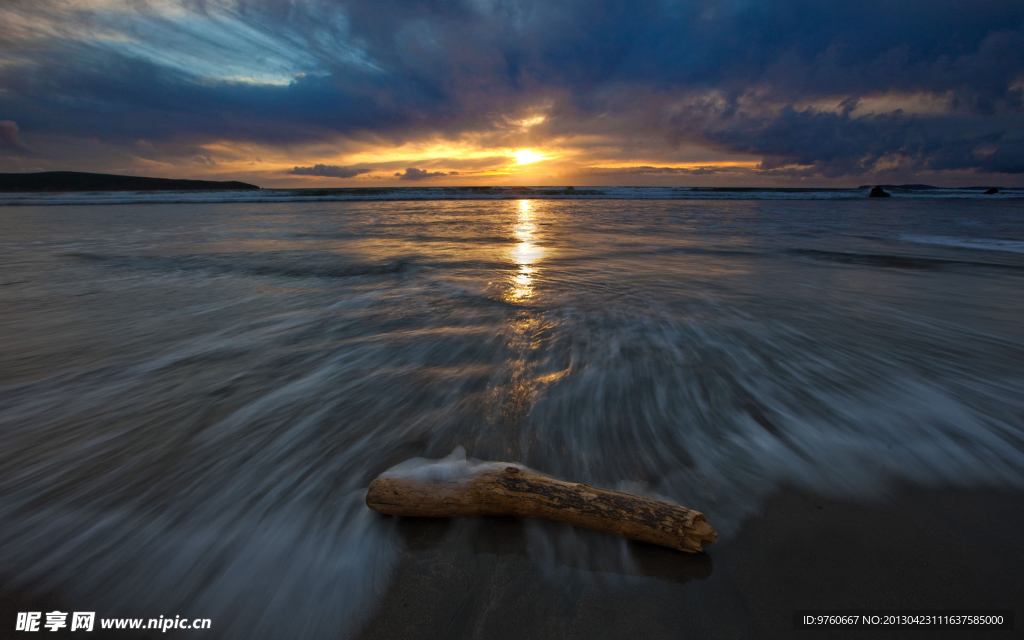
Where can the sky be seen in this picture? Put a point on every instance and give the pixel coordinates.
(330, 93)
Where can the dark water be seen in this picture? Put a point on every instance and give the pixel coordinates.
(194, 396)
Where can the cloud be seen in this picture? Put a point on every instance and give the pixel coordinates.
(330, 171)
(9, 138)
(412, 173)
(659, 171)
(834, 144)
(642, 83)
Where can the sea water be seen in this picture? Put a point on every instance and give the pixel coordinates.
(195, 389)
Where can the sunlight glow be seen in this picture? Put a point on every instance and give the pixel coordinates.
(529, 122)
(526, 156)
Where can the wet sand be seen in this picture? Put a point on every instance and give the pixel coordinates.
(919, 549)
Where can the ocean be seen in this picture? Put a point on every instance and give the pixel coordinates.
(196, 388)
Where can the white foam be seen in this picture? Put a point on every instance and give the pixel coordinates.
(454, 465)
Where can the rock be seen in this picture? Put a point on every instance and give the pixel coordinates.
(992, 191)
(878, 192)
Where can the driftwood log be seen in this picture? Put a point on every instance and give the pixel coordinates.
(512, 491)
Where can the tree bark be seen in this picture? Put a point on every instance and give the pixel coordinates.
(511, 491)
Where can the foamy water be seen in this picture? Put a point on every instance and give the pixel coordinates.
(195, 396)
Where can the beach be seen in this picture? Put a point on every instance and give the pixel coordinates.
(197, 389)
(910, 550)
(901, 552)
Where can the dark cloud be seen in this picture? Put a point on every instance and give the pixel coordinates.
(734, 75)
(660, 171)
(412, 173)
(10, 141)
(330, 171)
(833, 144)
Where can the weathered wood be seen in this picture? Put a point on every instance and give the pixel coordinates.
(512, 491)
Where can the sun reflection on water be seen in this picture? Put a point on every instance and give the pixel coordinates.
(526, 253)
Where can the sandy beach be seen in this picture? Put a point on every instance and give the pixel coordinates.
(918, 549)
(921, 549)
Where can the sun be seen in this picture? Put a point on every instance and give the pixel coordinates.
(526, 156)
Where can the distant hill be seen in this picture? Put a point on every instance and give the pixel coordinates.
(77, 181)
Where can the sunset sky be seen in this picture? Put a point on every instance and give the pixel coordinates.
(322, 93)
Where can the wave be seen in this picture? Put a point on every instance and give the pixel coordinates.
(980, 244)
(288, 264)
(296, 264)
(481, 193)
(893, 261)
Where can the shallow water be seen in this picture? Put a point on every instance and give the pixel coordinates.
(194, 396)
